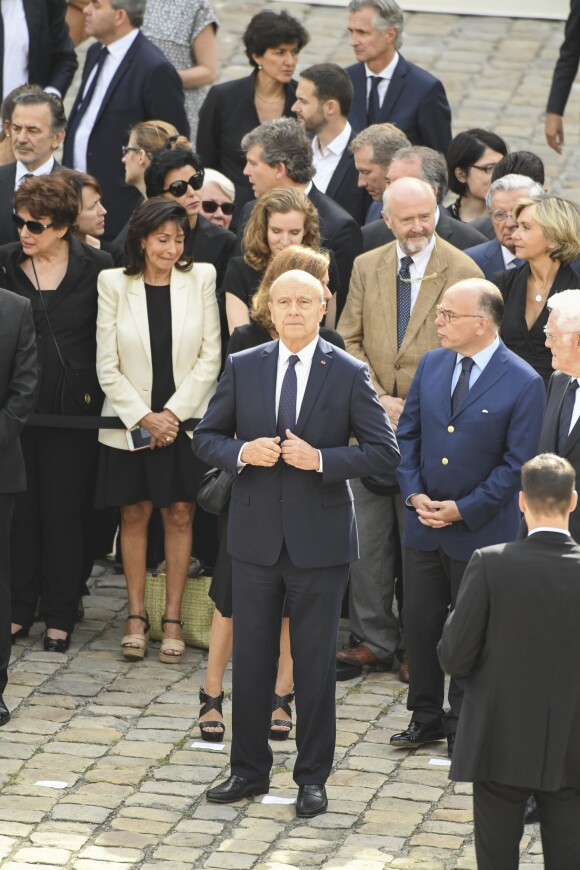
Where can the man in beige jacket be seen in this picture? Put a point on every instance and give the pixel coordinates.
(389, 322)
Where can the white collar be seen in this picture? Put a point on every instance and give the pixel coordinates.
(549, 529)
(305, 355)
(387, 72)
(45, 169)
(119, 48)
(421, 259)
(338, 144)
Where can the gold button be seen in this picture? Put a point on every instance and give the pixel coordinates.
(451, 428)
(444, 461)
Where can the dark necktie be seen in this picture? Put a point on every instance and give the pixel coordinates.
(566, 414)
(403, 298)
(462, 385)
(86, 100)
(374, 106)
(287, 406)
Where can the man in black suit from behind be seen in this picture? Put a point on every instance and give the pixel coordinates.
(37, 127)
(418, 161)
(513, 638)
(564, 74)
(18, 379)
(323, 101)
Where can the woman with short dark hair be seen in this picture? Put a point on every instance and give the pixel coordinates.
(158, 357)
(471, 159)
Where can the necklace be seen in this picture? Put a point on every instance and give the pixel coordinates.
(539, 297)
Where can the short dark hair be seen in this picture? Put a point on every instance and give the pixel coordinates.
(135, 10)
(491, 303)
(34, 97)
(269, 29)
(48, 196)
(79, 180)
(331, 82)
(165, 160)
(283, 141)
(548, 482)
(466, 149)
(7, 106)
(146, 218)
(520, 163)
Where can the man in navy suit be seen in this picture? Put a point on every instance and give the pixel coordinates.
(471, 419)
(386, 86)
(564, 74)
(292, 405)
(126, 79)
(500, 253)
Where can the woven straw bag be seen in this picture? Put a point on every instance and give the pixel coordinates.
(196, 608)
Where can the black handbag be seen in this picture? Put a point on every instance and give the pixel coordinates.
(214, 491)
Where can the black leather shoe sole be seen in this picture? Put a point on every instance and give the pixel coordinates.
(402, 741)
(221, 794)
(311, 803)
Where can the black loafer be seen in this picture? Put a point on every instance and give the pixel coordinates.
(346, 671)
(415, 735)
(311, 801)
(531, 815)
(4, 712)
(56, 644)
(450, 744)
(235, 788)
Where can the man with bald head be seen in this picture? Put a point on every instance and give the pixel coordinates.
(389, 322)
(280, 422)
(471, 420)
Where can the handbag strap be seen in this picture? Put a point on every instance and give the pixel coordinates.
(62, 362)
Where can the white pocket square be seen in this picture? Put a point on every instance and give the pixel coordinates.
(484, 411)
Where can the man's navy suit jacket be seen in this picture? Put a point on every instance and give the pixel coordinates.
(473, 456)
(311, 512)
(144, 87)
(488, 257)
(415, 102)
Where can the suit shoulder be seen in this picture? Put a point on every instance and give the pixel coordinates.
(481, 250)
(100, 258)
(114, 278)
(459, 259)
(520, 367)
(201, 272)
(8, 171)
(419, 75)
(376, 256)
(13, 300)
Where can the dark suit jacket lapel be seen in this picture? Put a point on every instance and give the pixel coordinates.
(7, 227)
(358, 114)
(342, 168)
(270, 370)
(550, 433)
(494, 370)
(121, 70)
(321, 362)
(394, 90)
(76, 265)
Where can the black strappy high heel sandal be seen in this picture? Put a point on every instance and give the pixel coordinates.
(209, 703)
(285, 726)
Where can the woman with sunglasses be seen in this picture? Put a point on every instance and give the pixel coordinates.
(158, 357)
(217, 198)
(59, 275)
(471, 159)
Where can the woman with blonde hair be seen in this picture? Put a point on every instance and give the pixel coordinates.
(260, 330)
(547, 238)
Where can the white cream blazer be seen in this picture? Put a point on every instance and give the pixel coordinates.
(124, 348)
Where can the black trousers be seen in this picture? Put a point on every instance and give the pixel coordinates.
(313, 602)
(499, 825)
(6, 510)
(49, 528)
(432, 582)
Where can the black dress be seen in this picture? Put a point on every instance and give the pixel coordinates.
(530, 344)
(166, 474)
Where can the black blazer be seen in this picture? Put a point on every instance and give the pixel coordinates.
(227, 114)
(209, 243)
(52, 59)
(343, 186)
(18, 379)
(8, 231)
(458, 234)
(415, 102)
(483, 225)
(549, 437)
(567, 64)
(514, 636)
(145, 86)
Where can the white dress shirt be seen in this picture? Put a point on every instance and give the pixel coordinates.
(549, 529)
(417, 267)
(326, 161)
(22, 171)
(117, 52)
(480, 360)
(16, 45)
(385, 75)
(509, 258)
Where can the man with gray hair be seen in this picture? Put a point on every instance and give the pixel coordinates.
(418, 161)
(386, 86)
(126, 79)
(373, 149)
(502, 196)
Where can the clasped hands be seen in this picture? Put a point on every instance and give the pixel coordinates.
(294, 451)
(163, 427)
(436, 514)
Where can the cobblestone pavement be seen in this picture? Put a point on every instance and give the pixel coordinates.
(120, 735)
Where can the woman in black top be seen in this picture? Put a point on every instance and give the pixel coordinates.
(59, 275)
(471, 159)
(548, 238)
(258, 331)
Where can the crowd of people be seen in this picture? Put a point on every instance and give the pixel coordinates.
(273, 256)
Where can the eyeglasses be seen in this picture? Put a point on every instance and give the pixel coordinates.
(499, 216)
(450, 316)
(34, 227)
(211, 206)
(552, 335)
(179, 188)
(126, 149)
(486, 167)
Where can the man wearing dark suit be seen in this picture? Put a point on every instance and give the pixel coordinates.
(37, 128)
(18, 379)
(279, 154)
(126, 79)
(373, 149)
(418, 161)
(293, 405)
(515, 163)
(513, 639)
(323, 101)
(386, 86)
(564, 75)
(471, 419)
(40, 50)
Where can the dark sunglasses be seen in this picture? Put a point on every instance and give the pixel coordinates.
(179, 188)
(211, 206)
(34, 227)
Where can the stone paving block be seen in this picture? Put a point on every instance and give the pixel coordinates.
(126, 839)
(71, 840)
(173, 853)
(44, 855)
(80, 813)
(141, 749)
(91, 864)
(141, 826)
(298, 859)
(15, 829)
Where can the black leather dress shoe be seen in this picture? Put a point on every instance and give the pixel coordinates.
(345, 671)
(415, 735)
(450, 744)
(311, 801)
(56, 644)
(235, 788)
(4, 712)
(531, 815)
